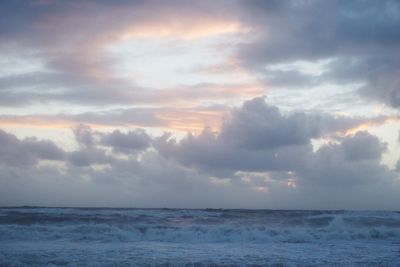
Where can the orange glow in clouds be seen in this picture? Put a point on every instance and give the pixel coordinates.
(177, 29)
(193, 121)
(370, 124)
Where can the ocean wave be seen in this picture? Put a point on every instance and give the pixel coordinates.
(196, 226)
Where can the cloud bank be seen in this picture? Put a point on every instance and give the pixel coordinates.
(260, 158)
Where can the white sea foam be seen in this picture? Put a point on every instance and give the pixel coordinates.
(176, 237)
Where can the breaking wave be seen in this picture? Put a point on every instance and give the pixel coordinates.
(196, 226)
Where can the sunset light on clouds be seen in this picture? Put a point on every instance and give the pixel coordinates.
(233, 104)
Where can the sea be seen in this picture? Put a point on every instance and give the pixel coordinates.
(36, 236)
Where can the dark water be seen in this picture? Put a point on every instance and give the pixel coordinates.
(169, 237)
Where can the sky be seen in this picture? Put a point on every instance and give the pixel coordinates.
(260, 104)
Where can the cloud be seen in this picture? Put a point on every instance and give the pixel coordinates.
(258, 137)
(174, 118)
(259, 125)
(354, 161)
(289, 79)
(76, 65)
(397, 168)
(377, 72)
(384, 85)
(88, 156)
(68, 87)
(362, 46)
(27, 152)
(83, 135)
(127, 142)
(310, 30)
(212, 169)
(207, 152)
(258, 154)
(363, 146)
(94, 144)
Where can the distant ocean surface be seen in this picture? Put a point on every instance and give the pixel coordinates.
(184, 237)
